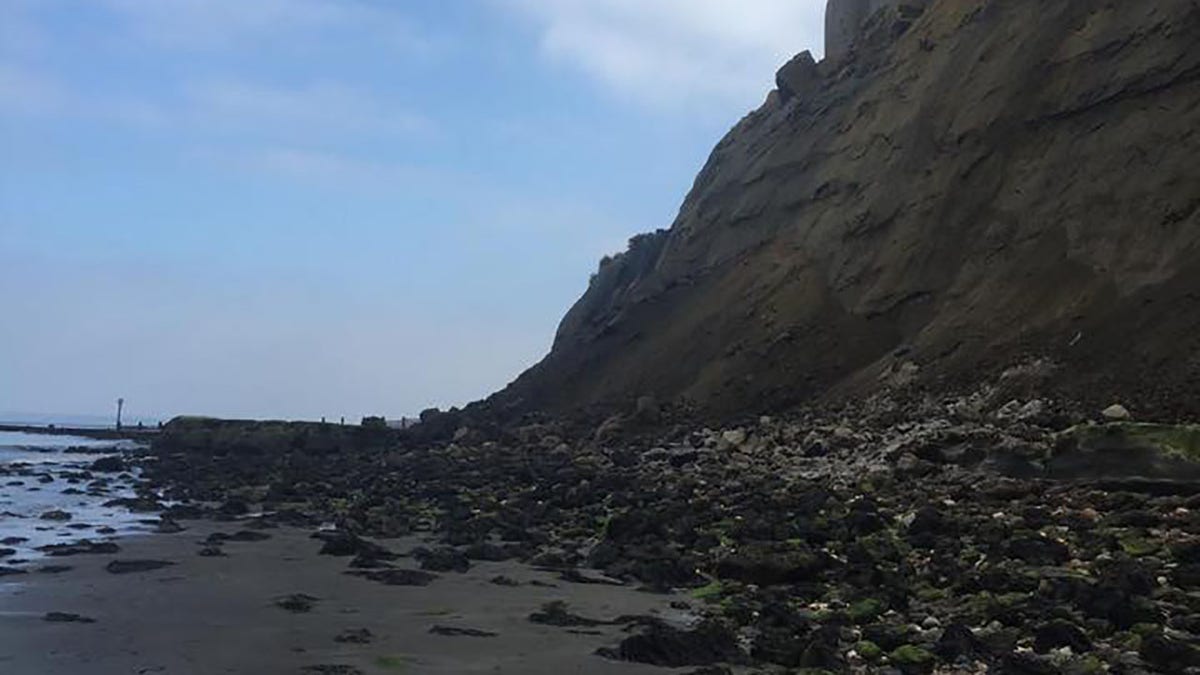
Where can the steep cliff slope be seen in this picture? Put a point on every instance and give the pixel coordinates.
(970, 186)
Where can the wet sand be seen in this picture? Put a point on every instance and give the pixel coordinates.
(218, 614)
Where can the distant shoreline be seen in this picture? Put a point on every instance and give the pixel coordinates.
(111, 433)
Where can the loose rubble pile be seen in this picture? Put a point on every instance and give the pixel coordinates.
(949, 536)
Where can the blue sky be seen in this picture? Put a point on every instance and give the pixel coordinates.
(296, 208)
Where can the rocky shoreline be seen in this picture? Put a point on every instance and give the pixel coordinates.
(970, 534)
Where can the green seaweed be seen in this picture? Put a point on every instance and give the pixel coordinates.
(866, 610)
(395, 663)
(911, 655)
(1179, 440)
(868, 650)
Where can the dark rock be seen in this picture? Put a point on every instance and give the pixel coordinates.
(797, 76)
(397, 577)
(55, 569)
(576, 576)
(1025, 663)
(297, 603)
(358, 636)
(211, 552)
(1168, 655)
(66, 617)
(958, 641)
(490, 552)
(661, 645)
(710, 670)
(6, 571)
(442, 559)
(928, 525)
(248, 535)
(56, 515)
(822, 650)
(1039, 551)
(114, 464)
(556, 614)
(763, 565)
(131, 566)
(332, 669)
(167, 526)
(1060, 633)
(81, 547)
(136, 504)
(233, 507)
(453, 631)
(346, 544)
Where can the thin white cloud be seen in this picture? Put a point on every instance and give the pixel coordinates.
(313, 111)
(315, 108)
(678, 53)
(218, 24)
(297, 163)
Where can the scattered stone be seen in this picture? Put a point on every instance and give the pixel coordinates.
(167, 526)
(297, 603)
(1116, 413)
(132, 566)
(661, 645)
(358, 636)
(81, 547)
(442, 559)
(577, 576)
(347, 544)
(6, 571)
(1060, 633)
(248, 535)
(56, 515)
(136, 504)
(114, 464)
(555, 614)
(397, 577)
(453, 631)
(66, 617)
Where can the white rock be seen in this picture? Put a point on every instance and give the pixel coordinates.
(734, 436)
(1116, 412)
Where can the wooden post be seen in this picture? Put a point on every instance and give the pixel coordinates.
(120, 404)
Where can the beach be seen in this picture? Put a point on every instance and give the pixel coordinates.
(223, 615)
(262, 599)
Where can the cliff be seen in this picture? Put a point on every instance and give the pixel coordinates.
(967, 185)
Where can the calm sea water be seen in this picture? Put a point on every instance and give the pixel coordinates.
(42, 473)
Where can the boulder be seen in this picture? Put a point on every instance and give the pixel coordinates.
(796, 76)
(1116, 413)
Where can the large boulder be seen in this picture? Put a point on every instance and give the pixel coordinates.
(796, 76)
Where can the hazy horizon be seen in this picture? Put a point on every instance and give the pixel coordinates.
(316, 208)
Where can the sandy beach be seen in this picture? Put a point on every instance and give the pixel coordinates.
(222, 614)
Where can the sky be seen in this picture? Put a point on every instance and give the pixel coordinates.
(306, 208)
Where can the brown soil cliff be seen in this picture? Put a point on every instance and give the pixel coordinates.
(971, 186)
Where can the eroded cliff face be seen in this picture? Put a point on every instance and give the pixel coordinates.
(971, 185)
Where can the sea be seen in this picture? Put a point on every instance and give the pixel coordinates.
(42, 474)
